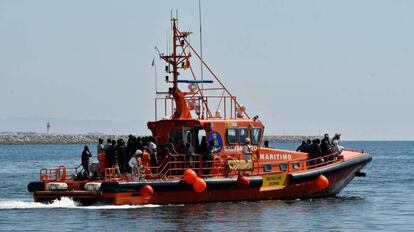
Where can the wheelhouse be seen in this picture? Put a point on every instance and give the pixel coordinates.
(228, 135)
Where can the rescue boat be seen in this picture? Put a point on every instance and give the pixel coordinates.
(207, 111)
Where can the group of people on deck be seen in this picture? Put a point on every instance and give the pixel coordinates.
(127, 157)
(141, 154)
(319, 148)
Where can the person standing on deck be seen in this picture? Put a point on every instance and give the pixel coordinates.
(121, 155)
(247, 150)
(189, 154)
(135, 163)
(99, 147)
(110, 154)
(107, 144)
(86, 154)
(101, 156)
(303, 147)
(315, 152)
(326, 145)
(152, 147)
(335, 143)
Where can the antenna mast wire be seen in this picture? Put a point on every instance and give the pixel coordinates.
(201, 51)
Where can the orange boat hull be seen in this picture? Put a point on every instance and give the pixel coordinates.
(306, 189)
(299, 186)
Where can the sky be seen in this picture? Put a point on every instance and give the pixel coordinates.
(305, 67)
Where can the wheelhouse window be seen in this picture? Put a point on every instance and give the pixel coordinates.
(256, 134)
(242, 135)
(232, 136)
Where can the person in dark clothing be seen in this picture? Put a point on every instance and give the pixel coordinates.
(189, 154)
(326, 145)
(210, 150)
(306, 148)
(302, 147)
(171, 149)
(208, 156)
(203, 150)
(131, 147)
(114, 158)
(86, 154)
(138, 144)
(315, 151)
(110, 154)
(203, 146)
(173, 156)
(121, 155)
(130, 151)
(266, 143)
(107, 144)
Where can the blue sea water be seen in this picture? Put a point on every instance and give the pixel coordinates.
(381, 201)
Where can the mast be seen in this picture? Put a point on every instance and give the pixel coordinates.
(201, 53)
(174, 55)
(201, 45)
(196, 99)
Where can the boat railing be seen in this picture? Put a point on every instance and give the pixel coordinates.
(225, 106)
(156, 172)
(60, 173)
(175, 164)
(110, 173)
(297, 164)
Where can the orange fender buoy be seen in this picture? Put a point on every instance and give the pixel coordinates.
(322, 182)
(199, 185)
(189, 176)
(146, 192)
(242, 182)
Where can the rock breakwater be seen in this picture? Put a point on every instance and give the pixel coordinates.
(34, 138)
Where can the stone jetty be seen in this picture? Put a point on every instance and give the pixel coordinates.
(37, 138)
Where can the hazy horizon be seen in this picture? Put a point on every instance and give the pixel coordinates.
(305, 68)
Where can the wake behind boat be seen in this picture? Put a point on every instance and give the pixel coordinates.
(209, 149)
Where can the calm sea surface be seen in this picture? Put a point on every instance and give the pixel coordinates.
(382, 201)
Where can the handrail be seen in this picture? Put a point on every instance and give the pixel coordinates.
(176, 163)
(110, 173)
(55, 174)
(166, 106)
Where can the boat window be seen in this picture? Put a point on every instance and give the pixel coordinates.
(267, 167)
(296, 165)
(242, 134)
(256, 134)
(232, 136)
(283, 167)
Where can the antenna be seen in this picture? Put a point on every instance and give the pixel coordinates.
(176, 16)
(201, 52)
(153, 64)
(169, 32)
